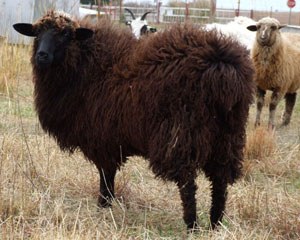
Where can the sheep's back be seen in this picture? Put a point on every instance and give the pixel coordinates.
(293, 38)
(111, 44)
(189, 88)
(187, 58)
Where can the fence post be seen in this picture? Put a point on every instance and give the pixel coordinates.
(121, 12)
(158, 5)
(98, 8)
(238, 9)
(186, 10)
(213, 4)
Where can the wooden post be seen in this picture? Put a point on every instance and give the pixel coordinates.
(158, 5)
(213, 6)
(290, 14)
(121, 10)
(98, 8)
(186, 10)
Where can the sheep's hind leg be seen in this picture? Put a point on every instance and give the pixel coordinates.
(275, 98)
(260, 94)
(290, 100)
(187, 193)
(219, 196)
(107, 181)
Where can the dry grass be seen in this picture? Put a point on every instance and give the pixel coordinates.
(48, 194)
(9, 70)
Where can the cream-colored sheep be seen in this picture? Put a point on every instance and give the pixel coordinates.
(293, 37)
(277, 68)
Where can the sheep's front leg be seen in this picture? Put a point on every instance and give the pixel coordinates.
(290, 99)
(219, 196)
(260, 94)
(107, 182)
(187, 193)
(275, 98)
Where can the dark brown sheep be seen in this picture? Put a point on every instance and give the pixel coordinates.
(180, 98)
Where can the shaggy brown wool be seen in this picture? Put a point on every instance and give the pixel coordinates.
(180, 98)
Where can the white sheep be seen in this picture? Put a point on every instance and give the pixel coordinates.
(276, 60)
(236, 29)
(139, 26)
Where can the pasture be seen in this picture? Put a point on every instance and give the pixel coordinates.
(48, 194)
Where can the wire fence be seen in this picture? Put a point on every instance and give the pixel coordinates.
(162, 14)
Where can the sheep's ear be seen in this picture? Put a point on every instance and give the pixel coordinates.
(25, 29)
(282, 26)
(252, 28)
(83, 33)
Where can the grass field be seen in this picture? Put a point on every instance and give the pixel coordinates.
(48, 194)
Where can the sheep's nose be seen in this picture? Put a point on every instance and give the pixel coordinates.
(42, 55)
(263, 39)
(263, 35)
(43, 58)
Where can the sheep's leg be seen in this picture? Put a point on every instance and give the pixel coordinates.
(275, 98)
(260, 94)
(219, 196)
(290, 100)
(107, 181)
(187, 194)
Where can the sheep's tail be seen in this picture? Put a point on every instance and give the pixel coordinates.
(229, 74)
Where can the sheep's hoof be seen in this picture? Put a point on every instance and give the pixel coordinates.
(214, 226)
(284, 123)
(192, 228)
(104, 202)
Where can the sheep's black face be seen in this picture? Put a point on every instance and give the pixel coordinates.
(51, 44)
(51, 47)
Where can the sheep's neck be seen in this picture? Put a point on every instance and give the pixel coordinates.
(268, 55)
(264, 58)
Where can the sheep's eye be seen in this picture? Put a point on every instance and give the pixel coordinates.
(273, 28)
(65, 33)
(38, 36)
(258, 27)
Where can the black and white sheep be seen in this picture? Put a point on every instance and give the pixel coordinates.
(180, 98)
(275, 59)
(139, 26)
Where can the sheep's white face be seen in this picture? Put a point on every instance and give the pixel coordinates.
(267, 31)
(137, 25)
(140, 27)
